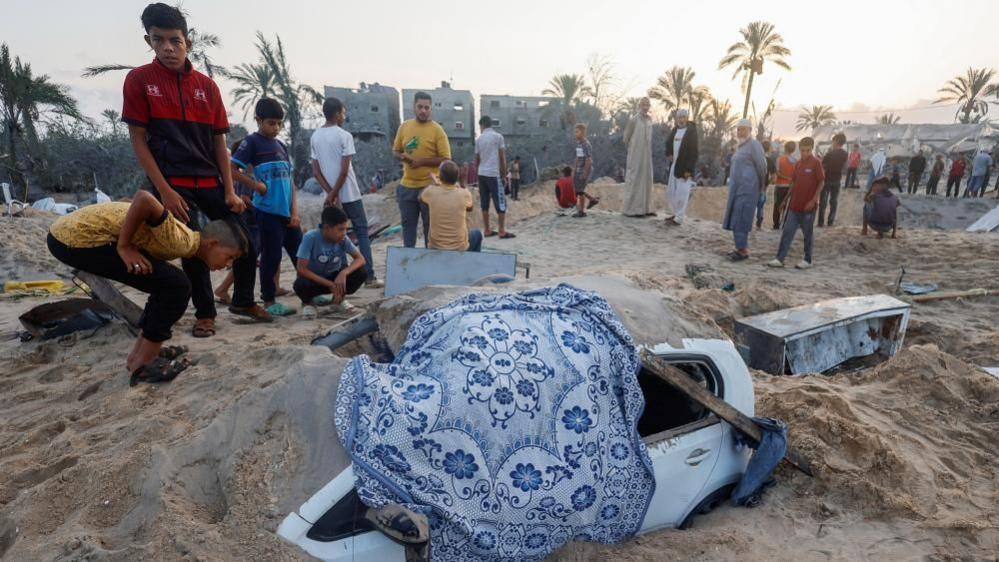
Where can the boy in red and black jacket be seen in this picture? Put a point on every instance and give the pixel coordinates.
(177, 124)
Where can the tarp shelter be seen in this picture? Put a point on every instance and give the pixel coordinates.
(902, 140)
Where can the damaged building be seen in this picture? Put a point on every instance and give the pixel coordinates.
(372, 110)
(903, 140)
(454, 110)
(519, 116)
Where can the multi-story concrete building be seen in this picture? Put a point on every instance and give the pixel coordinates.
(372, 110)
(453, 109)
(520, 116)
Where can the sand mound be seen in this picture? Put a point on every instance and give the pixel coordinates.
(23, 254)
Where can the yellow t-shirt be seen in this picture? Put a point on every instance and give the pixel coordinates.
(99, 225)
(448, 206)
(421, 140)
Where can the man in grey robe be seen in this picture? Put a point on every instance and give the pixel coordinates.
(638, 177)
(747, 177)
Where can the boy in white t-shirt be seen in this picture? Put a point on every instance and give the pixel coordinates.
(332, 152)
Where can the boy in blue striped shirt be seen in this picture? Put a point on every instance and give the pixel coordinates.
(274, 199)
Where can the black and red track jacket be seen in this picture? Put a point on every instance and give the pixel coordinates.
(181, 112)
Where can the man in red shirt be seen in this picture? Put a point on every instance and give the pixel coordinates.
(956, 173)
(806, 187)
(177, 124)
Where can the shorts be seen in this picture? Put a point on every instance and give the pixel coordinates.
(489, 188)
(578, 184)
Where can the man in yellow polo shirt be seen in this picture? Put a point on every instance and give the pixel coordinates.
(421, 145)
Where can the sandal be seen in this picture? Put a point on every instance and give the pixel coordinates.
(592, 203)
(491, 233)
(255, 312)
(158, 370)
(507, 235)
(223, 299)
(738, 256)
(204, 328)
(278, 309)
(173, 351)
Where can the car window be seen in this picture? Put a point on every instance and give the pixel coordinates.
(667, 408)
(344, 519)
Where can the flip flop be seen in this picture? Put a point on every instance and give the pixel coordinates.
(507, 236)
(159, 370)
(256, 313)
(491, 233)
(172, 351)
(593, 203)
(278, 309)
(204, 328)
(226, 300)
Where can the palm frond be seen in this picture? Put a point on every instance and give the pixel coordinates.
(97, 70)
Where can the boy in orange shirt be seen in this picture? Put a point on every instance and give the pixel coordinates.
(785, 169)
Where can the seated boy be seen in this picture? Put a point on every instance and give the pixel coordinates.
(565, 191)
(322, 264)
(883, 208)
(131, 244)
(449, 207)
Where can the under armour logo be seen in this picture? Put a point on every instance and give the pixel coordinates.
(200, 95)
(153, 90)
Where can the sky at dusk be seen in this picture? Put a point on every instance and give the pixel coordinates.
(862, 58)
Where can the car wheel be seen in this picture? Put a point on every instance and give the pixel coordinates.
(713, 500)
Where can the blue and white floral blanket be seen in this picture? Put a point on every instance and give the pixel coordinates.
(510, 420)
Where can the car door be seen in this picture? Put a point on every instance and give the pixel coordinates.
(684, 457)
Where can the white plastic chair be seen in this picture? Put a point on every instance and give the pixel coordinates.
(14, 207)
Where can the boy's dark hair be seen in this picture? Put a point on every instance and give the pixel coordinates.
(332, 107)
(227, 233)
(839, 138)
(449, 172)
(807, 142)
(164, 17)
(766, 146)
(566, 171)
(421, 96)
(581, 126)
(790, 146)
(856, 145)
(333, 216)
(881, 180)
(485, 121)
(268, 108)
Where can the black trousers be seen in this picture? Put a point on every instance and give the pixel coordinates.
(168, 287)
(210, 202)
(828, 199)
(780, 194)
(307, 289)
(955, 182)
(931, 184)
(851, 177)
(914, 178)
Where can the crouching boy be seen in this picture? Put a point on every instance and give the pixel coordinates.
(883, 208)
(131, 244)
(449, 207)
(565, 192)
(322, 264)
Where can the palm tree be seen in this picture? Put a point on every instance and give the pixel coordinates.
(570, 89)
(673, 87)
(253, 81)
(114, 118)
(24, 97)
(700, 103)
(759, 44)
(888, 119)
(967, 91)
(814, 117)
(294, 96)
(200, 43)
(720, 117)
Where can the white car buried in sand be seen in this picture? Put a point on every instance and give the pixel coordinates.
(694, 454)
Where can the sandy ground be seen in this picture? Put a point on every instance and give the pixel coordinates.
(204, 468)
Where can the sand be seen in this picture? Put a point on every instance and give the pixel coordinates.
(205, 467)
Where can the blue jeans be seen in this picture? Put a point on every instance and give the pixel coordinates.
(760, 206)
(359, 222)
(794, 221)
(275, 235)
(741, 239)
(411, 211)
(475, 240)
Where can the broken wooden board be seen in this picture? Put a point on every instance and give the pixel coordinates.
(103, 291)
(741, 422)
(409, 269)
(816, 337)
